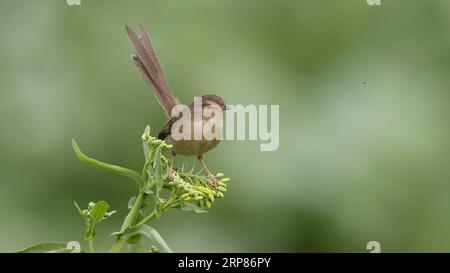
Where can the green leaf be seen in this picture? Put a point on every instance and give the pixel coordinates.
(147, 207)
(134, 212)
(157, 174)
(78, 208)
(105, 166)
(95, 217)
(155, 237)
(131, 202)
(146, 150)
(145, 144)
(46, 247)
(193, 207)
(134, 239)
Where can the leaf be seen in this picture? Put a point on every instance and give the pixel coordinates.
(46, 247)
(78, 208)
(193, 207)
(136, 248)
(104, 166)
(147, 206)
(145, 144)
(131, 202)
(146, 150)
(134, 239)
(96, 216)
(157, 174)
(156, 238)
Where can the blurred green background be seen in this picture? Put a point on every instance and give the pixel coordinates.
(364, 107)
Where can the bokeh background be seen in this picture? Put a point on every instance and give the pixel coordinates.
(364, 119)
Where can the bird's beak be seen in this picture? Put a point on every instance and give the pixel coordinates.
(226, 107)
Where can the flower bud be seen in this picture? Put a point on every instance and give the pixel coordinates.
(211, 197)
(222, 189)
(184, 196)
(204, 189)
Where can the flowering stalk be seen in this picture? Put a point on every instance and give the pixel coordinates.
(185, 190)
(194, 195)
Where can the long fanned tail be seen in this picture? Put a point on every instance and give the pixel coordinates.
(148, 66)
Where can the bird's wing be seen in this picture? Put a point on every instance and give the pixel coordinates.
(148, 66)
(167, 129)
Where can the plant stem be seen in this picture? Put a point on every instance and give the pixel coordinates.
(129, 221)
(148, 218)
(118, 245)
(152, 215)
(91, 246)
(134, 212)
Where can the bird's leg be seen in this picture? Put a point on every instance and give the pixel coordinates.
(212, 179)
(170, 172)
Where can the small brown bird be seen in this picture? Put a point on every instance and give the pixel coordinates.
(146, 62)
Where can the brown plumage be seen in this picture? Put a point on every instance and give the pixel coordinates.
(146, 62)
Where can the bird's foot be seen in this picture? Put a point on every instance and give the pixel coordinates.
(170, 174)
(214, 181)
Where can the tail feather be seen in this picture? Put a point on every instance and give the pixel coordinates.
(148, 66)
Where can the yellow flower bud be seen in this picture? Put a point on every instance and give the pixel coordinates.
(184, 196)
(222, 189)
(211, 197)
(203, 189)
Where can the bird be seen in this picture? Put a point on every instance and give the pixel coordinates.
(146, 62)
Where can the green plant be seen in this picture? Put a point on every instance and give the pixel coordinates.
(156, 193)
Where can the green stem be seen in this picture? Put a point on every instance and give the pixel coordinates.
(121, 240)
(129, 221)
(147, 219)
(134, 212)
(91, 246)
(118, 245)
(152, 215)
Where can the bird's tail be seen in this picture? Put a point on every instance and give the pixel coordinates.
(146, 62)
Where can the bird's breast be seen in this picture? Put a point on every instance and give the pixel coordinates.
(194, 146)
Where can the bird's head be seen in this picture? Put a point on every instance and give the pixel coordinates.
(213, 100)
